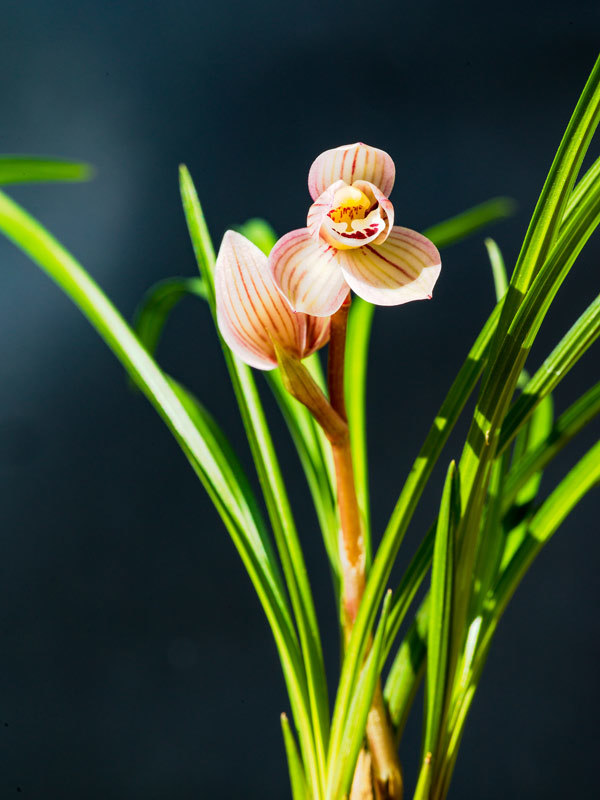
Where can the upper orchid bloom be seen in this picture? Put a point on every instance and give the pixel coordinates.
(350, 241)
(252, 315)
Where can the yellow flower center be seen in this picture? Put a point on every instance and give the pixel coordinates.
(349, 204)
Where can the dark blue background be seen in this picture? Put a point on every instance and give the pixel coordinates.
(135, 660)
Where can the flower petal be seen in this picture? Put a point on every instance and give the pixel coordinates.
(352, 162)
(385, 205)
(317, 333)
(308, 274)
(250, 310)
(318, 211)
(402, 269)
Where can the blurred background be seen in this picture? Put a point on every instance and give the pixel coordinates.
(135, 659)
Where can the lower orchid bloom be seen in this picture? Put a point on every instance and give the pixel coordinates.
(253, 317)
(350, 241)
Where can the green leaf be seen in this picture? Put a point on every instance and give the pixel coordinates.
(498, 268)
(468, 222)
(564, 356)
(407, 669)
(537, 457)
(296, 771)
(259, 232)
(532, 289)
(423, 789)
(411, 581)
(44, 250)
(32, 169)
(355, 386)
(584, 476)
(349, 721)
(440, 611)
(158, 302)
(359, 331)
(313, 733)
(312, 450)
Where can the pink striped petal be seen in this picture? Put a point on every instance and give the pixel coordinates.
(318, 211)
(317, 333)
(308, 274)
(385, 205)
(402, 269)
(251, 312)
(352, 162)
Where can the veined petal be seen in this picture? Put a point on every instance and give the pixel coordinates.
(308, 273)
(318, 211)
(251, 312)
(385, 205)
(404, 268)
(349, 163)
(317, 333)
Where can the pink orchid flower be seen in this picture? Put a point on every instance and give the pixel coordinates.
(350, 241)
(252, 315)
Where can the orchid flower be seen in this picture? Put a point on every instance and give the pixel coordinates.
(253, 317)
(350, 241)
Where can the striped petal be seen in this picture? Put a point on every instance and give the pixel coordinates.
(404, 268)
(317, 333)
(386, 206)
(251, 312)
(308, 274)
(352, 162)
(317, 213)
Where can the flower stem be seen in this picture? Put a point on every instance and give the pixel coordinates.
(383, 781)
(385, 774)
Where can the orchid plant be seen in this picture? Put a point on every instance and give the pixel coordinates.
(276, 304)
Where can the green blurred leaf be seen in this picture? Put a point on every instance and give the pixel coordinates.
(259, 232)
(32, 169)
(468, 222)
(498, 268)
(158, 302)
(296, 771)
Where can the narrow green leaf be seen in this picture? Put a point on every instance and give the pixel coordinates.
(578, 482)
(295, 768)
(468, 222)
(529, 437)
(567, 426)
(310, 448)
(313, 732)
(564, 356)
(552, 203)
(349, 723)
(32, 169)
(584, 476)
(411, 581)
(158, 302)
(259, 232)
(355, 380)
(440, 610)
(407, 669)
(44, 250)
(359, 331)
(423, 789)
(498, 268)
